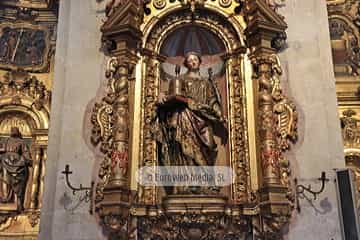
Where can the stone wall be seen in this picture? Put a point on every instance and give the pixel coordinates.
(78, 73)
(310, 81)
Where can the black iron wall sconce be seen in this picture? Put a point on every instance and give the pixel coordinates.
(302, 190)
(87, 190)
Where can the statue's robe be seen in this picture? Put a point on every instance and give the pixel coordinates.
(185, 128)
(14, 163)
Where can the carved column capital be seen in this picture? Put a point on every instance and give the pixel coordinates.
(121, 31)
(266, 29)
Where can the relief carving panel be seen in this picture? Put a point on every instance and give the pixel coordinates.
(24, 47)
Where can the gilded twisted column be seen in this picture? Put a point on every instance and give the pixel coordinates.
(119, 154)
(267, 129)
(121, 37)
(276, 117)
(148, 193)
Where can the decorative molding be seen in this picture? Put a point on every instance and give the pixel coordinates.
(112, 130)
(193, 3)
(147, 194)
(154, 8)
(34, 218)
(19, 84)
(194, 226)
(37, 4)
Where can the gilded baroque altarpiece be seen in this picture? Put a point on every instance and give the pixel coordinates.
(143, 40)
(344, 23)
(27, 43)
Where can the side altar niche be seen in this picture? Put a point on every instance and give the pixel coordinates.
(24, 123)
(193, 87)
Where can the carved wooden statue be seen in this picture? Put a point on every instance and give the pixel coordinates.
(15, 160)
(187, 117)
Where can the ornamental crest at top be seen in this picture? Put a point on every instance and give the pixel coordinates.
(112, 5)
(159, 4)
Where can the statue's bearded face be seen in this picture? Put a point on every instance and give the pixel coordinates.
(193, 62)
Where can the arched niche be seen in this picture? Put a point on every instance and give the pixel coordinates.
(25, 104)
(231, 54)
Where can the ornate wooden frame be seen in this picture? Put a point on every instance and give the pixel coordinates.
(261, 193)
(45, 66)
(237, 96)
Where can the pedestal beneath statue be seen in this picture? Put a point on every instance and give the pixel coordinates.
(194, 203)
(194, 217)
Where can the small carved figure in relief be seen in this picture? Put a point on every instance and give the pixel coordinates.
(350, 130)
(187, 116)
(15, 160)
